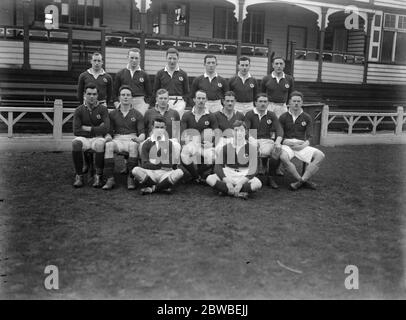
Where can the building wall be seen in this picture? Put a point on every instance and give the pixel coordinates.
(117, 14)
(201, 19)
(7, 12)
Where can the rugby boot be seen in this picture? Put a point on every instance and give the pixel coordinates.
(78, 181)
(97, 181)
(109, 184)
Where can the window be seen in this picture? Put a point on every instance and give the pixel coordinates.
(390, 21)
(170, 18)
(394, 39)
(387, 46)
(402, 22)
(253, 28)
(400, 48)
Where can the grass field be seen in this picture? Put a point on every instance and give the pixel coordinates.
(194, 245)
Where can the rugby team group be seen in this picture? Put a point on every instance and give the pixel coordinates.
(231, 134)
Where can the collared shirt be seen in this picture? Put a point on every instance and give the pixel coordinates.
(215, 89)
(255, 110)
(132, 122)
(243, 79)
(166, 69)
(103, 82)
(138, 81)
(206, 75)
(278, 90)
(295, 117)
(245, 89)
(273, 75)
(133, 71)
(199, 115)
(97, 118)
(267, 126)
(177, 84)
(171, 118)
(225, 123)
(299, 128)
(207, 120)
(96, 74)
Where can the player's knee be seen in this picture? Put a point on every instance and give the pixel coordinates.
(133, 148)
(319, 156)
(77, 145)
(256, 184)
(212, 179)
(109, 146)
(176, 175)
(138, 173)
(99, 145)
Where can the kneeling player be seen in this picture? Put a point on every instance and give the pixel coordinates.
(236, 166)
(297, 127)
(90, 123)
(159, 159)
(127, 128)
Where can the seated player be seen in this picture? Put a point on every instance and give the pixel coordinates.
(126, 134)
(198, 128)
(90, 124)
(159, 159)
(268, 138)
(298, 129)
(236, 166)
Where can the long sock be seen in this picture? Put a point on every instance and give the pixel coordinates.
(310, 171)
(264, 166)
(203, 169)
(78, 161)
(88, 158)
(192, 170)
(272, 166)
(148, 182)
(131, 164)
(164, 184)
(221, 186)
(246, 187)
(109, 167)
(99, 162)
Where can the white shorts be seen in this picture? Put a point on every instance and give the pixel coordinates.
(305, 155)
(214, 105)
(123, 142)
(139, 104)
(236, 175)
(158, 175)
(243, 107)
(265, 146)
(177, 104)
(89, 143)
(277, 108)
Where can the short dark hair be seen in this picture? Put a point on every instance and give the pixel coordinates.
(158, 119)
(229, 94)
(260, 95)
(296, 94)
(96, 53)
(278, 57)
(134, 50)
(161, 91)
(172, 50)
(208, 56)
(239, 123)
(244, 58)
(125, 86)
(91, 86)
(200, 90)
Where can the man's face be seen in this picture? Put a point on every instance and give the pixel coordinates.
(261, 104)
(229, 102)
(295, 103)
(162, 100)
(172, 60)
(159, 129)
(244, 67)
(125, 97)
(134, 59)
(97, 62)
(278, 65)
(210, 65)
(239, 133)
(200, 99)
(91, 96)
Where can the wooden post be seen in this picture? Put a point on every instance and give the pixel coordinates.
(324, 124)
(269, 44)
(367, 41)
(103, 45)
(399, 122)
(142, 50)
(70, 44)
(58, 118)
(292, 57)
(26, 52)
(10, 124)
(322, 35)
(239, 30)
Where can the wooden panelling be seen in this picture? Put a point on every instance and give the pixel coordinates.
(116, 59)
(386, 74)
(356, 42)
(342, 73)
(306, 70)
(11, 54)
(116, 14)
(48, 56)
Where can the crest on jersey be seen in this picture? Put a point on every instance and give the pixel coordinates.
(98, 116)
(141, 79)
(219, 84)
(287, 86)
(269, 121)
(133, 119)
(172, 119)
(304, 123)
(105, 80)
(206, 123)
(180, 78)
(251, 85)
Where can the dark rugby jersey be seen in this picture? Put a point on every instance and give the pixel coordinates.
(177, 85)
(140, 83)
(215, 89)
(224, 123)
(162, 155)
(301, 129)
(244, 92)
(104, 84)
(207, 120)
(97, 118)
(277, 92)
(265, 127)
(246, 157)
(169, 116)
(133, 122)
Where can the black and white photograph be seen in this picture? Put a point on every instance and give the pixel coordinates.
(202, 150)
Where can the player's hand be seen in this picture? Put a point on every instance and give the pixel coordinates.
(277, 147)
(108, 138)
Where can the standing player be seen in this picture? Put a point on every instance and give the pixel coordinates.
(298, 129)
(278, 86)
(159, 159)
(90, 124)
(174, 80)
(197, 129)
(96, 75)
(244, 86)
(210, 82)
(269, 136)
(127, 129)
(137, 79)
(234, 171)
